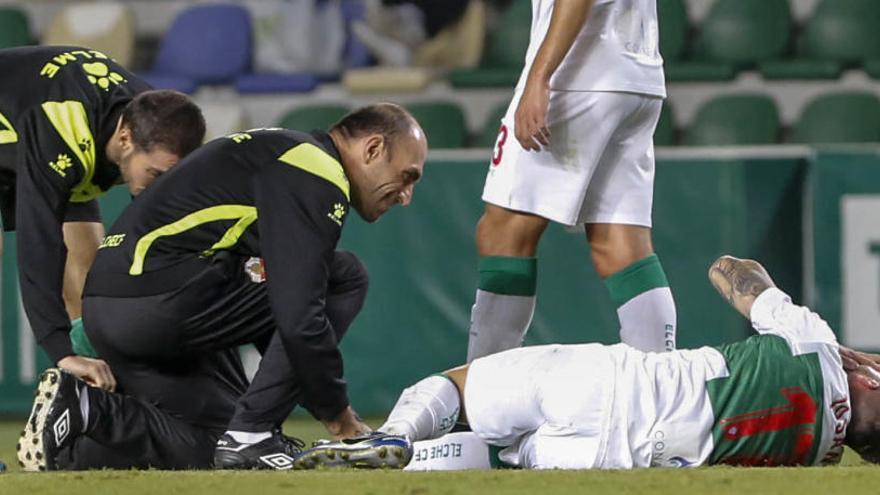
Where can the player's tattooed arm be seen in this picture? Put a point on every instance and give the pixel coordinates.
(739, 281)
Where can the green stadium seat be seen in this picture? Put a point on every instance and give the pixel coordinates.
(736, 34)
(734, 120)
(664, 134)
(674, 27)
(443, 123)
(872, 67)
(744, 32)
(489, 134)
(851, 117)
(14, 28)
(505, 51)
(312, 117)
(841, 33)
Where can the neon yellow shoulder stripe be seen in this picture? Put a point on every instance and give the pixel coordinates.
(244, 214)
(72, 123)
(316, 161)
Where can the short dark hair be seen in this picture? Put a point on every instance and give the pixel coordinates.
(865, 443)
(165, 119)
(389, 120)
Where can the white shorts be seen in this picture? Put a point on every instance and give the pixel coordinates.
(550, 405)
(599, 167)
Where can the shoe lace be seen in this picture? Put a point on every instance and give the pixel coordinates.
(292, 445)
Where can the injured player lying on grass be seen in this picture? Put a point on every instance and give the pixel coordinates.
(783, 397)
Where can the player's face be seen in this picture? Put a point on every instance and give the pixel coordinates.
(140, 168)
(389, 178)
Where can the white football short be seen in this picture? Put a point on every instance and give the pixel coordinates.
(599, 167)
(549, 405)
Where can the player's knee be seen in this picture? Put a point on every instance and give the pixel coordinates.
(502, 232)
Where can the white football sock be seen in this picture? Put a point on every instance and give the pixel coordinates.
(249, 437)
(498, 322)
(428, 409)
(648, 321)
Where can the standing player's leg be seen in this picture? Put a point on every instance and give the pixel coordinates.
(507, 242)
(617, 211)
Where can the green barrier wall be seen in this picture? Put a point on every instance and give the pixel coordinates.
(423, 268)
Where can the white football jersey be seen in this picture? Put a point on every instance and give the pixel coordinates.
(616, 50)
(778, 398)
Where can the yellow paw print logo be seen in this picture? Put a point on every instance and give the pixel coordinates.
(337, 213)
(61, 164)
(101, 75)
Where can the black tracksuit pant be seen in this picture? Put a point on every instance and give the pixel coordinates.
(181, 383)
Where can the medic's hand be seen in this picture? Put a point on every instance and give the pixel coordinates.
(95, 372)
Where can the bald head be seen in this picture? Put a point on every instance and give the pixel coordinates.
(389, 120)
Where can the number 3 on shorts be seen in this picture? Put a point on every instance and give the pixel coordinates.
(499, 145)
(7, 133)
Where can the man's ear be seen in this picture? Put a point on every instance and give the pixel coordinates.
(123, 135)
(374, 148)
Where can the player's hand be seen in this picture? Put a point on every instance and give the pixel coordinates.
(346, 425)
(95, 372)
(855, 360)
(531, 117)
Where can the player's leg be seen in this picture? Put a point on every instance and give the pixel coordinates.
(507, 242)
(510, 397)
(524, 191)
(83, 232)
(275, 389)
(617, 211)
(74, 426)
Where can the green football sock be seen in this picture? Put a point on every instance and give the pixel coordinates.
(504, 305)
(645, 306)
(80, 341)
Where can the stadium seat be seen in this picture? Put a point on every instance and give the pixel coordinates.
(275, 83)
(841, 33)
(736, 34)
(743, 32)
(674, 27)
(14, 28)
(222, 118)
(103, 26)
(851, 117)
(504, 52)
(443, 123)
(489, 134)
(734, 120)
(355, 52)
(307, 118)
(664, 134)
(206, 44)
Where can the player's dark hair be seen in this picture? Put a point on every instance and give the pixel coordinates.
(389, 120)
(165, 119)
(866, 443)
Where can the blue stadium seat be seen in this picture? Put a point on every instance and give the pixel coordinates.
(276, 83)
(206, 44)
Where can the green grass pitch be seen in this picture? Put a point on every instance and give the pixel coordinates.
(851, 477)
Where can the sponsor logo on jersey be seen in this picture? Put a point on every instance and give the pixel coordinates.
(61, 164)
(337, 213)
(112, 241)
(61, 60)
